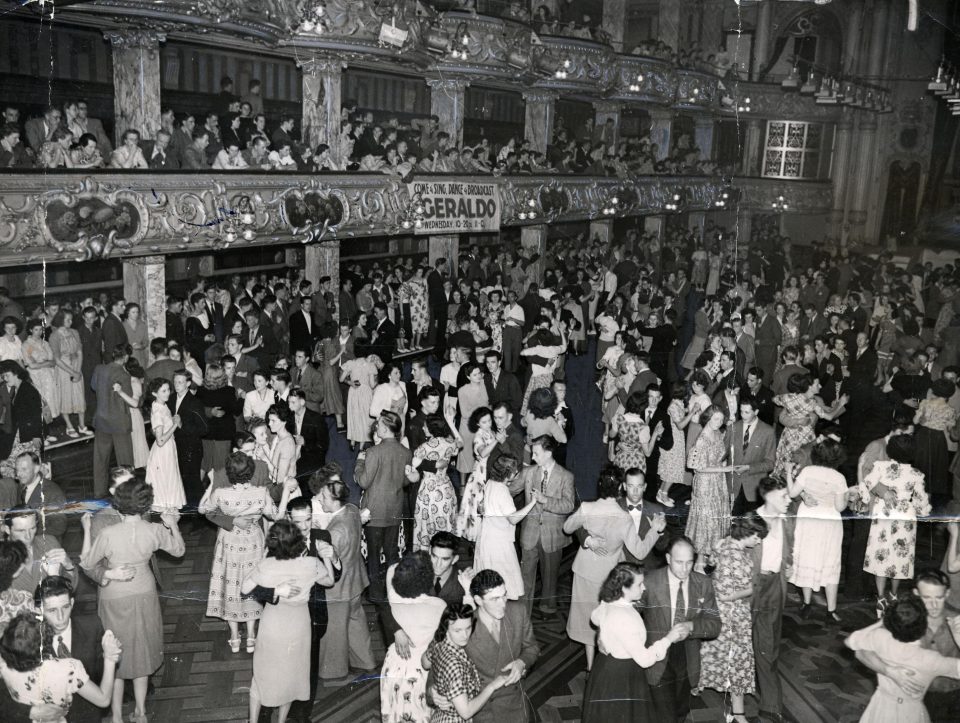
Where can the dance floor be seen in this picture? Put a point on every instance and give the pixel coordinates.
(201, 681)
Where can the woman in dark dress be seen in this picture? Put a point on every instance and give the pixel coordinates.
(27, 415)
(221, 406)
(617, 692)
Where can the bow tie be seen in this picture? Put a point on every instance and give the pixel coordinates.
(631, 508)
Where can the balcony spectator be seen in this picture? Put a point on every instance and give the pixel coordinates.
(544, 21)
(129, 154)
(55, 153)
(159, 154)
(283, 134)
(281, 158)
(516, 11)
(70, 113)
(229, 159)
(259, 129)
(11, 116)
(177, 142)
(41, 130)
(86, 154)
(253, 97)
(94, 126)
(195, 157)
(257, 156)
(231, 133)
(226, 98)
(12, 152)
(214, 146)
(184, 135)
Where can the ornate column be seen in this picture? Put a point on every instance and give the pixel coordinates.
(842, 147)
(608, 110)
(323, 259)
(761, 39)
(602, 230)
(136, 81)
(538, 121)
(446, 102)
(661, 131)
(704, 129)
(144, 282)
(753, 147)
(322, 83)
(444, 247)
(533, 240)
(743, 231)
(614, 22)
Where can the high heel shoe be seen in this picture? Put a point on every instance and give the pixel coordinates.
(737, 718)
(234, 644)
(251, 643)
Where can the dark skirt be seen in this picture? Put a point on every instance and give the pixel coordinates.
(617, 692)
(933, 459)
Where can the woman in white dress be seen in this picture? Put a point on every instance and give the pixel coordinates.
(163, 472)
(361, 377)
(11, 347)
(496, 548)
(391, 396)
(260, 399)
(819, 534)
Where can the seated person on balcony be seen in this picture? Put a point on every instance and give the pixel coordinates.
(429, 129)
(159, 153)
(184, 135)
(40, 130)
(129, 154)
(257, 156)
(176, 145)
(229, 159)
(230, 132)
(259, 129)
(12, 152)
(246, 122)
(281, 158)
(544, 21)
(195, 156)
(11, 117)
(86, 154)
(94, 126)
(516, 11)
(55, 153)
(214, 146)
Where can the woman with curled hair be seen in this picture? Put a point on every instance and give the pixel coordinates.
(163, 469)
(607, 519)
(470, 397)
(455, 676)
(539, 419)
(496, 548)
(801, 402)
(283, 448)
(403, 680)
(34, 675)
(710, 506)
(635, 439)
(240, 548)
(895, 641)
(436, 505)
(480, 425)
(281, 658)
(130, 607)
(819, 533)
(13, 557)
(616, 690)
(727, 663)
(896, 496)
(221, 407)
(28, 422)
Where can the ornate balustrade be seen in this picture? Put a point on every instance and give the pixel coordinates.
(75, 217)
(644, 80)
(768, 100)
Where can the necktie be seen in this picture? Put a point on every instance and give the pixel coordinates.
(62, 650)
(680, 611)
(543, 480)
(746, 437)
(436, 587)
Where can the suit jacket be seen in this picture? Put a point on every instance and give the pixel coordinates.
(316, 442)
(769, 333)
(243, 378)
(27, 413)
(169, 161)
(865, 367)
(267, 351)
(386, 339)
(544, 523)
(512, 446)
(507, 389)
(610, 519)
(49, 497)
(193, 421)
(344, 528)
(640, 384)
(809, 330)
(310, 380)
(302, 337)
(37, 133)
(435, 289)
(113, 333)
(701, 610)
(782, 376)
(113, 414)
(767, 410)
(760, 455)
(382, 477)
(95, 126)
(517, 641)
(746, 342)
(175, 329)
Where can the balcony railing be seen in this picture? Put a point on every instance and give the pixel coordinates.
(76, 217)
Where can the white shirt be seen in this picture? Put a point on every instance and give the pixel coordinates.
(636, 514)
(298, 418)
(674, 583)
(180, 398)
(749, 429)
(771, 550)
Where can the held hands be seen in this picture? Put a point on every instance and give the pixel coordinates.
(364, 516)
(325, 550)
(170, 518)
(412, 474)
(906, 679)
(111, 647)
(680, 632)
(808, 499)
(658, 522)
(514, 671)
(117, 388)
(243, 523)
(177, 422)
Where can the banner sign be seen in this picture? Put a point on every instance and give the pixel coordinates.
(457, 206)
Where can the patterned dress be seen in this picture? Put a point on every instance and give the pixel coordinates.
(454, 674)
(892, 544)
(54, 681)
(672, 461)
(709, 518)
(45, 380)
(436, 505)
(65, 343)
(471, 504)
(633, 434)
(419, 313)
(237, 551)
(727, 661)
(793, 438)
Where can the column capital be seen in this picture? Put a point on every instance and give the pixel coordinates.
(537, 95)
(607, 106)
(448, 85)
(145, 260)
(135, 38)
(321, 65)
(846, 120)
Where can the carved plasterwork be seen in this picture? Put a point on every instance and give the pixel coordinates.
(656, 80)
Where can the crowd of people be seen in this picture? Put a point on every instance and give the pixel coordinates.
(758, 408)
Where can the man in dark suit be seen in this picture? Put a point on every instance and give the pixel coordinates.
(863, 360)
(191, 427)
(261, 336)
(663, 340)
(41, 494)
(769, 336)
(772, 560)
(246, 365)
(383, 334)
(420, 382)
(655, 413)
(40, 130)
(214, 312)
(564, 417)
(303, 332)
(644, 378)
(857, 314)
(112, 330)
(754, 447)
(812, 324)
(762, 395)
(438, 302)
(111, 423)
(381, 473)
(91, 345)
(510, 438)
(174, 320)
(159, 154)
(728, 371)
(502, 386)
(676, 596)
(312, 438)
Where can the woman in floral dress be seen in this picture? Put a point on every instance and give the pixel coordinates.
(238, 549)
(673, 461)
(635, 439)
(419, 311)
(801, 402)
(471, 505)
(710, 507)
(39, 361)
(68, 354)
(436, 506)
(895, 494)
(726, 663)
